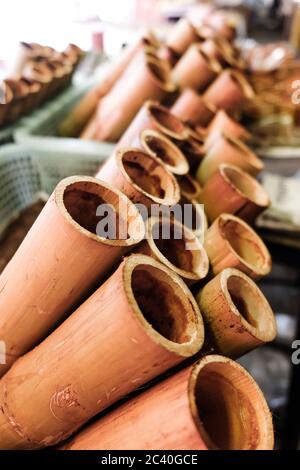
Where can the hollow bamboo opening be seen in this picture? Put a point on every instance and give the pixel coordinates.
(160, 74)
(247, 154)
(167, 122)
(245, 184)
(149, 176)
(248, 303)
(178, 248)
(228, 407)
(164, 149)
(163, 305)
(78, 199)
(189, 187)
(193, 215)
(245, 243)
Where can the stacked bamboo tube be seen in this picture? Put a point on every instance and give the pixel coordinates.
(38, 74)
(130, 320)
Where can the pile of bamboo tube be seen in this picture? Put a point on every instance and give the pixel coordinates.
(39, 73)
(84, 327)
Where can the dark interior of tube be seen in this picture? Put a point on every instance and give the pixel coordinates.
(161, 149)
(158, 298)
(82, 199)
(225, 411)
(166, 119)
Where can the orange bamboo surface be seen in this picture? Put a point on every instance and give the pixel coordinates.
(229, 91)
(227, 149)
(156, 117)
(195, 69)
(139, 323)
(214, 404)
(85, 109)
(141, 176)
(236, 313)
(223, 123)
(192, 108)
(150, 79)
(61, 260)
(232, 190)
(231, 243)
(181, 36)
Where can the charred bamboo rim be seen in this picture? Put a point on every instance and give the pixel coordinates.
(186, 256)
(244, 185)
(247, 154)
(163, 148)
(163, 305)
(148, 175)
(160, 74)
(211, 62)
(77, 199)
(247, 304)
(189, 186)
(166, 122)
(228, 407)
(243, 84)
(244, 242)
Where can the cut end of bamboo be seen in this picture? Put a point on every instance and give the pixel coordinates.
(148, 175)
(163, 148)
(166, 122)
(160, 73)
(231, 242)
(237, 313)
(189, 186)
(228, 407)
(81, 198)
(246, 185)
(178, 248)
(163, 305)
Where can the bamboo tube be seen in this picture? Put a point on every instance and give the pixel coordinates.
(139, 323)
(227, 149)
(171, 243)
(5, 102)
(214, 404)
(141, 176)
(237, 315)
(156, 117)
(189, 187)
(181, 36)
(229, 91)
(194, 217)
(191, 107)
(197, 14)
(232, 190)
(34, 90)
(223, 123)
(116, 110)
(221, 25)
(25, 52)
(38, 71)
(20, 95)
(231, 243)
(164, 149)
(195, 69)
(62, 259)
(193, 151)
(74, 123)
